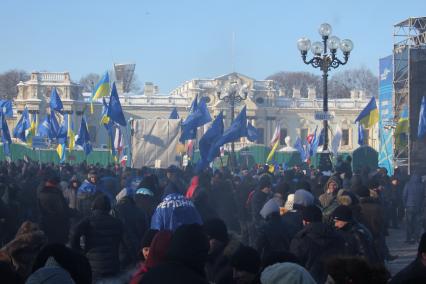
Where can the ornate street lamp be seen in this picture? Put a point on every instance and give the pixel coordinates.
(231, 94)
(324, 58)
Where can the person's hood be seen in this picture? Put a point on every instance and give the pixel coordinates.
(415, 179)
(158, 248)
(189, 246)
(271, 206)
(321, 234)
(286, 273)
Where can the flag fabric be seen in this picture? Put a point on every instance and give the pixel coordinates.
(5, 135)
(313, 143)
(71, 134)
(209, 139)
(61, 149)
(252, 134)
(276, 137)
(369, 115)
(105, 119)
(237, 130)
(199, 117)
(298, 145)
(421, 130)
(174, 114)
(6, 108)
(55, 101)
(187, 132)
(44, 127)
(23, 124)
(63, 131)
(54, 125)
(321, 138)
(102, 89)
(31, 132)
(274, 148)
(402, 127)
(335, 143)
(360, 134)
(118, 141)
(84, 137)
(115, 112)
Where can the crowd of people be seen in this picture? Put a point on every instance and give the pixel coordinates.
(92, 224)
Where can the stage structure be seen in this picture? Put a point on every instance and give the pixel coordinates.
(409, 83)
(124, 76)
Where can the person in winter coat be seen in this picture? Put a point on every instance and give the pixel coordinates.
(413, 197)
(256, 201)
(286, 273)
(134, 225)
(328, 199)
(103, 235)
(54, 217)
(86, 194)
(246, 266)
(358, 239)
(415, 272)
(23, 249)
(70, 193)
(157, 254)
(273, 235)
(242, 192)
(145, 201)
(222, 247)
(316, 243)
(292, 219)
(186, 258)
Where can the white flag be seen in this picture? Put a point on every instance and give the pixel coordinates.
(335, 144)
(277, 135)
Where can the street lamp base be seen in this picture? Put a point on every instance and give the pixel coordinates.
(324, 164)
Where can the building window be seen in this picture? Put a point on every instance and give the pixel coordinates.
(303, 134)
(261, 135)
(283, 135)
(345, 137)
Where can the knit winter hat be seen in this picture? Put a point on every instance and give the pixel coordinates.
(246, 259)
(286, 273)
(270, 207)
(101, 203)
(311, 214)
(342, 213)
(216, 229)
(303, 197)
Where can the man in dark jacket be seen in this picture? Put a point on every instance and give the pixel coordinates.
(186, 258)
(415, 272)
(54, 218)
(222, 247)
(358, 239)
(102, 234)
(413, 197)
(316, 243)
(86, 194)
(134, 224)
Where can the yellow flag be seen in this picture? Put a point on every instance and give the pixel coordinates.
(271, 154)
(70, 135)
(60, 150)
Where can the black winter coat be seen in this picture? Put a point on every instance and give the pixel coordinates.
(135, 225)
(273, 236)
(258, 199)
(314, 245)
(293, 222)
(103, 234)
(414, 273)
(54, 217)
(173, 272)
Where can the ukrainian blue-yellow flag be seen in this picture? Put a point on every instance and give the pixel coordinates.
(115, 112)
(102, 89)
(421, 131)
(32, 130)
(71, 134)
(369, 115)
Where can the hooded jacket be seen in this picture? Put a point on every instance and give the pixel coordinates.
(313, 245)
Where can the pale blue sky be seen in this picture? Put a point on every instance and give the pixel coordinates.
(177, 40)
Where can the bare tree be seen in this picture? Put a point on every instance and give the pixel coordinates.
(9, 81)
(89, 81)
(343, 82)
(302, 80)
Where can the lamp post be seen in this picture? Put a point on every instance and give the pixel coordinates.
(325, 58)
(231, 94)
